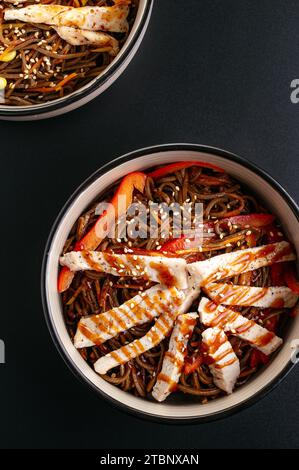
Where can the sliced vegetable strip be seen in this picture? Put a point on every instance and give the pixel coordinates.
(173, 167)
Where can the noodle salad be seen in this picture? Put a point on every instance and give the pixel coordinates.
(50, 48)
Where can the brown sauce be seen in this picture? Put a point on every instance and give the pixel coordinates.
(245, 327)
(265, 339)
(164, 275)
(225, 364)
(93, 337)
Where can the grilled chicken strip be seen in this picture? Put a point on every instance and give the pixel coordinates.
(247, 296)
(80, 37)
(153, 337)
(174, 358)
(222, 317)
(237, 262)
(113, 19)
(166, 271)
(96, 329)
(225, 366)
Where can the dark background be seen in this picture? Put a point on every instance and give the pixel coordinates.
(212, 72)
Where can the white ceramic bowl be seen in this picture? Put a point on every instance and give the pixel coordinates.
(93, 88)
(174, 409)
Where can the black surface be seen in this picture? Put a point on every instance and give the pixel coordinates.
(216, 73)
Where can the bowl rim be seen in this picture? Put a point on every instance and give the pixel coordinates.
(55, 337)
(81, 93)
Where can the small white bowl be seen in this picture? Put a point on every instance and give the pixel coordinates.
(96, 86)
(176, 409)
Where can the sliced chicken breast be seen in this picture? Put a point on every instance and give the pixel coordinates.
(225, 367)
(113, 19)
(96, 329)
(166, 271)
(174, 358)
(153, 337)
(237, 262)
(36, 13)
(79, 37)
(247, 296)
(222, 317)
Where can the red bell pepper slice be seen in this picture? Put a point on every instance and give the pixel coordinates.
(65, 278)
(291, 279)
(185, 242)
(250, 220)
(126, 188)
(212, 180)
(173, 167)
(251, 239)
(257, 358)
(277, 274)
(192, 363)
(92, 239)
